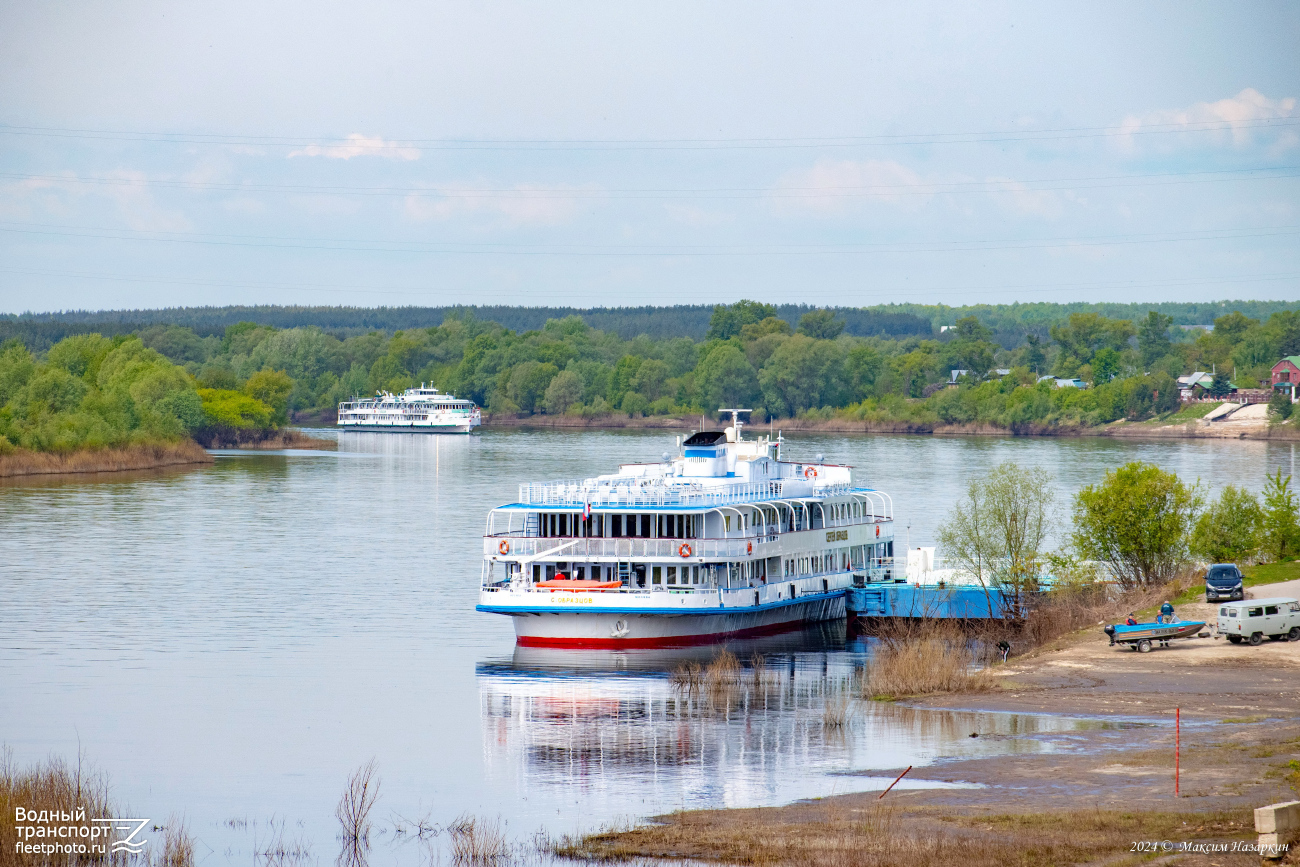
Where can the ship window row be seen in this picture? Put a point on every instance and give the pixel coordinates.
(569, 525)
(749, 573)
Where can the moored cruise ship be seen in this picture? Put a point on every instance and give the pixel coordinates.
(416, 410)
(722, 540)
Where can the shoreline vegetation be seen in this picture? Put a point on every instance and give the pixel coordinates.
(97, 405)
(1032, 370)
(1154, 429)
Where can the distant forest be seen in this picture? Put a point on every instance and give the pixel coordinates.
(1009, 324)
(71, 380)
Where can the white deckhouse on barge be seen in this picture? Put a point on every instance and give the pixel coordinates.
(725, 539)
(416, 410)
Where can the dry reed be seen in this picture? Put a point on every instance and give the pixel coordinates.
(837, 713)
(177, 845)
(920, 659)
(354, 807)
(144, 456)
(51, 786)
(476, 841)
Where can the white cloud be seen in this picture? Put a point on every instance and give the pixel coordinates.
(524, 204)
(358, 145)
(128, 190)
(835, 185)
(1237, 118)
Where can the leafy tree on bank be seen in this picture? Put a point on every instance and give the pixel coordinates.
(1033, 356)
(1137, 521)
(1230, 530)
(820, 325)
(1279, 405)
(93, 392)
(729, 319)
(997, 531)
(564, 391)
(1153, 337)
(726, 378)
(1083, 335)
(271, 387)
(1281, 532)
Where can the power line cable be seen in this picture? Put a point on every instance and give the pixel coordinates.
(560, 249)
(370, 144)
(990, 185)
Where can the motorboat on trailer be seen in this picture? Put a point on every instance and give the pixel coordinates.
(724, 539)
(416, 410)
(1142, 636)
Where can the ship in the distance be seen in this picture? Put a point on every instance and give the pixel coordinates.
(416, 410)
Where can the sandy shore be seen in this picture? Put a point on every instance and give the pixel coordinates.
(1103, 787)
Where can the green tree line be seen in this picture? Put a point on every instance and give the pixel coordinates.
(90, 391)
(252, 376)
(1140, 524)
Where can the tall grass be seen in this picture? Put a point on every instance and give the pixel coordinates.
(177, 845)
(920, 659)
(56, 787)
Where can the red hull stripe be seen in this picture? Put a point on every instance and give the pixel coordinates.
(664, 641)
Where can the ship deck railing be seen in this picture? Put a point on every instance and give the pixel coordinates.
(568, 548)
(648, 493)
(879, 568)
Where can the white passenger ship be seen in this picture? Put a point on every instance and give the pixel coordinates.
(725, 539)
(416, 410)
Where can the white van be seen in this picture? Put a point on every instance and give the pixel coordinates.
(1253, 620)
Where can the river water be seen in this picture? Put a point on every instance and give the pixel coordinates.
(229, 643)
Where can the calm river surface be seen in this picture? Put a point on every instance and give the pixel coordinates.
(229, 643)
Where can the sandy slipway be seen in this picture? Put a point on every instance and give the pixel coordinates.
(1241, 724)
(1108, 785)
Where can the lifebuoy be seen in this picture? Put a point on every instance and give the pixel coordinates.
(684, 550)
(504, 547)
(877, 531)
(749, 549)
(810, 472)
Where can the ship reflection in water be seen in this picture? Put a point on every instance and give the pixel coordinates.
(617, 734)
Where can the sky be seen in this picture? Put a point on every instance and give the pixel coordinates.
(618, 153)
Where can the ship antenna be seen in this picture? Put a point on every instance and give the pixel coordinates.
(735, 419)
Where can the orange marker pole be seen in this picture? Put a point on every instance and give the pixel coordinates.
(895, 783)
(1178, 731)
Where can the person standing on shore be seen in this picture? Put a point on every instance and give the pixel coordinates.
(1166, 613)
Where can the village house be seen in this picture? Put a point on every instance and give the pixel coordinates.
(1194, 385)
(1286, 375)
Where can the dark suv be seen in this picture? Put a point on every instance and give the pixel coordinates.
(1223, 581)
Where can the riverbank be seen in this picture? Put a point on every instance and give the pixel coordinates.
(1253, 426)
(1254, 429)
(1113, 786)
(147, 456)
